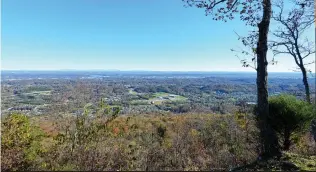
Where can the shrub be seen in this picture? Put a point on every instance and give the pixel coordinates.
(20, 143)
(98, 141)
(289, 117)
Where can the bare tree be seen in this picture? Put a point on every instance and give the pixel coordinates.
(249, 51)
(256, 13)
(289, 35)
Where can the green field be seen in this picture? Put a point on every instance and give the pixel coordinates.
(157, 98)
(33, 98)
(167, 96)
(131, 91)
(46, 93)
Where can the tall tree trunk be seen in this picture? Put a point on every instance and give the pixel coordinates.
(287, 141)
(313, 126)
(300, 63)
(307, 93)
(269, 139)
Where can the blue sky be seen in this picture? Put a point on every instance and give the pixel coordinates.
(125, 35)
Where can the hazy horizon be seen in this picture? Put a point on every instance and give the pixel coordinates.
(136, 70)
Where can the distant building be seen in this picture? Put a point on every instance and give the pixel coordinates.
(251, 103)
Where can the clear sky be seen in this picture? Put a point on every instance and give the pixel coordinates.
(118, 34)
